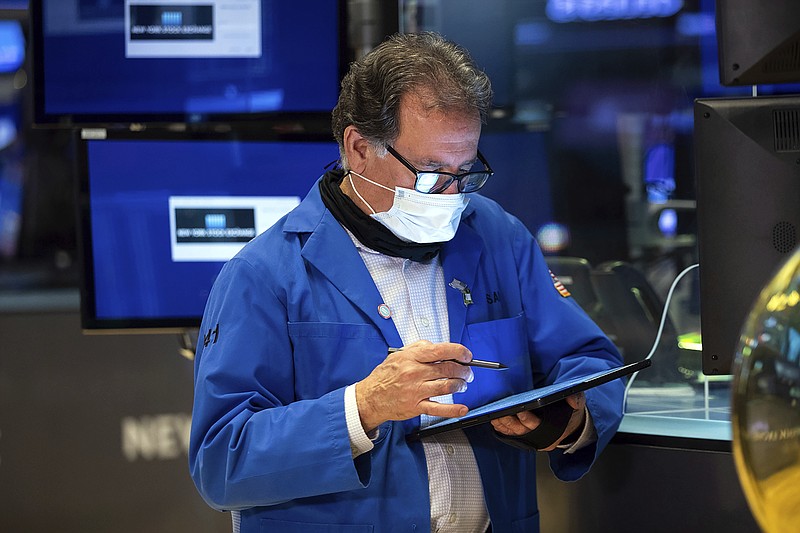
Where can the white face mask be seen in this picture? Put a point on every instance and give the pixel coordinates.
(418, 217)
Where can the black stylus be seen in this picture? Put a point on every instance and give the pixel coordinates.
(475, 362)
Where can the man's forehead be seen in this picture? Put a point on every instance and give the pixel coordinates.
(423, 104)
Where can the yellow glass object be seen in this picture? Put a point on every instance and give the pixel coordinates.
(766, 403)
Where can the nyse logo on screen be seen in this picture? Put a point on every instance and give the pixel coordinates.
(215, 228)
(171, 18)
(180, 28)
(219, 225)
(158, 22)
(592, 10)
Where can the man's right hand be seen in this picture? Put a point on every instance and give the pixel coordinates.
(401, 386)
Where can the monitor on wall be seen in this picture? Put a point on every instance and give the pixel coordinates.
(747, 171)
(758, 42)
(14, 8)
(160, 212)
(140, 61)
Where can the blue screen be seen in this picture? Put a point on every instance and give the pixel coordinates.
(142, 60)
(166, 214)
(12, 46)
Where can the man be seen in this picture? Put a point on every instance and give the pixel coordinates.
(300, 417)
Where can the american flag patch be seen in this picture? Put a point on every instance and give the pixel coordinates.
(562, 290)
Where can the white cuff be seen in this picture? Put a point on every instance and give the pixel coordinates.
(359, 441)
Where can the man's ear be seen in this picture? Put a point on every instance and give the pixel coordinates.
(356, 148)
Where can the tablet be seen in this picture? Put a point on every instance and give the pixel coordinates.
(529, 400)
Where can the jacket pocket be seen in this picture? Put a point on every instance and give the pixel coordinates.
(331, 355)
(504, 341)
(526, 525)
(281, 526)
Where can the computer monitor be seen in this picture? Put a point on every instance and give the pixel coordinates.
(747, 162)
(160, 212)
(17, 9)
(139, 61)
(759, 42)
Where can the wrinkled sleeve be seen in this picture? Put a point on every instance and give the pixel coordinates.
(252, 442)
(565, 343)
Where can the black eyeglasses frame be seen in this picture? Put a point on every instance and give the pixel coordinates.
(458, 178)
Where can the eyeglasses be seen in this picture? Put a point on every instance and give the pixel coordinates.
(436, 182)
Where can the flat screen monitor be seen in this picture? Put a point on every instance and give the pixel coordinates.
(140, 61)
(14, 8)
(758, 42)
(747, 162)
(160, 213)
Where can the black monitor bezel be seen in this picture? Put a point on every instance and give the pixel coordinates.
(42, 119)
(738, 211)
(756, 41)
(90, 323)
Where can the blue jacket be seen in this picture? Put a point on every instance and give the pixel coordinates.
(293, 319)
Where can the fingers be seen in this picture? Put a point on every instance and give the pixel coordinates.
(401, 386)
(516, 425)
(439, 361)
(451, 370)
(446, 410)
(441, 387)
(427, 352)
(577, 401)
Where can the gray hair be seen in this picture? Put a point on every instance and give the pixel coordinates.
(405, 63)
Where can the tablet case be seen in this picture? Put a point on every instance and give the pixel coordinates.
(527, 401)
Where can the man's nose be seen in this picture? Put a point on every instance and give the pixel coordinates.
(452, 188)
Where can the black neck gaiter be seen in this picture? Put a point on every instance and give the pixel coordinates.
(367, 230)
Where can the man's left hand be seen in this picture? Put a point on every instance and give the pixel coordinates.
(526, 421)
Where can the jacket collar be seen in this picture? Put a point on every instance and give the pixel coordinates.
(329, 248)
